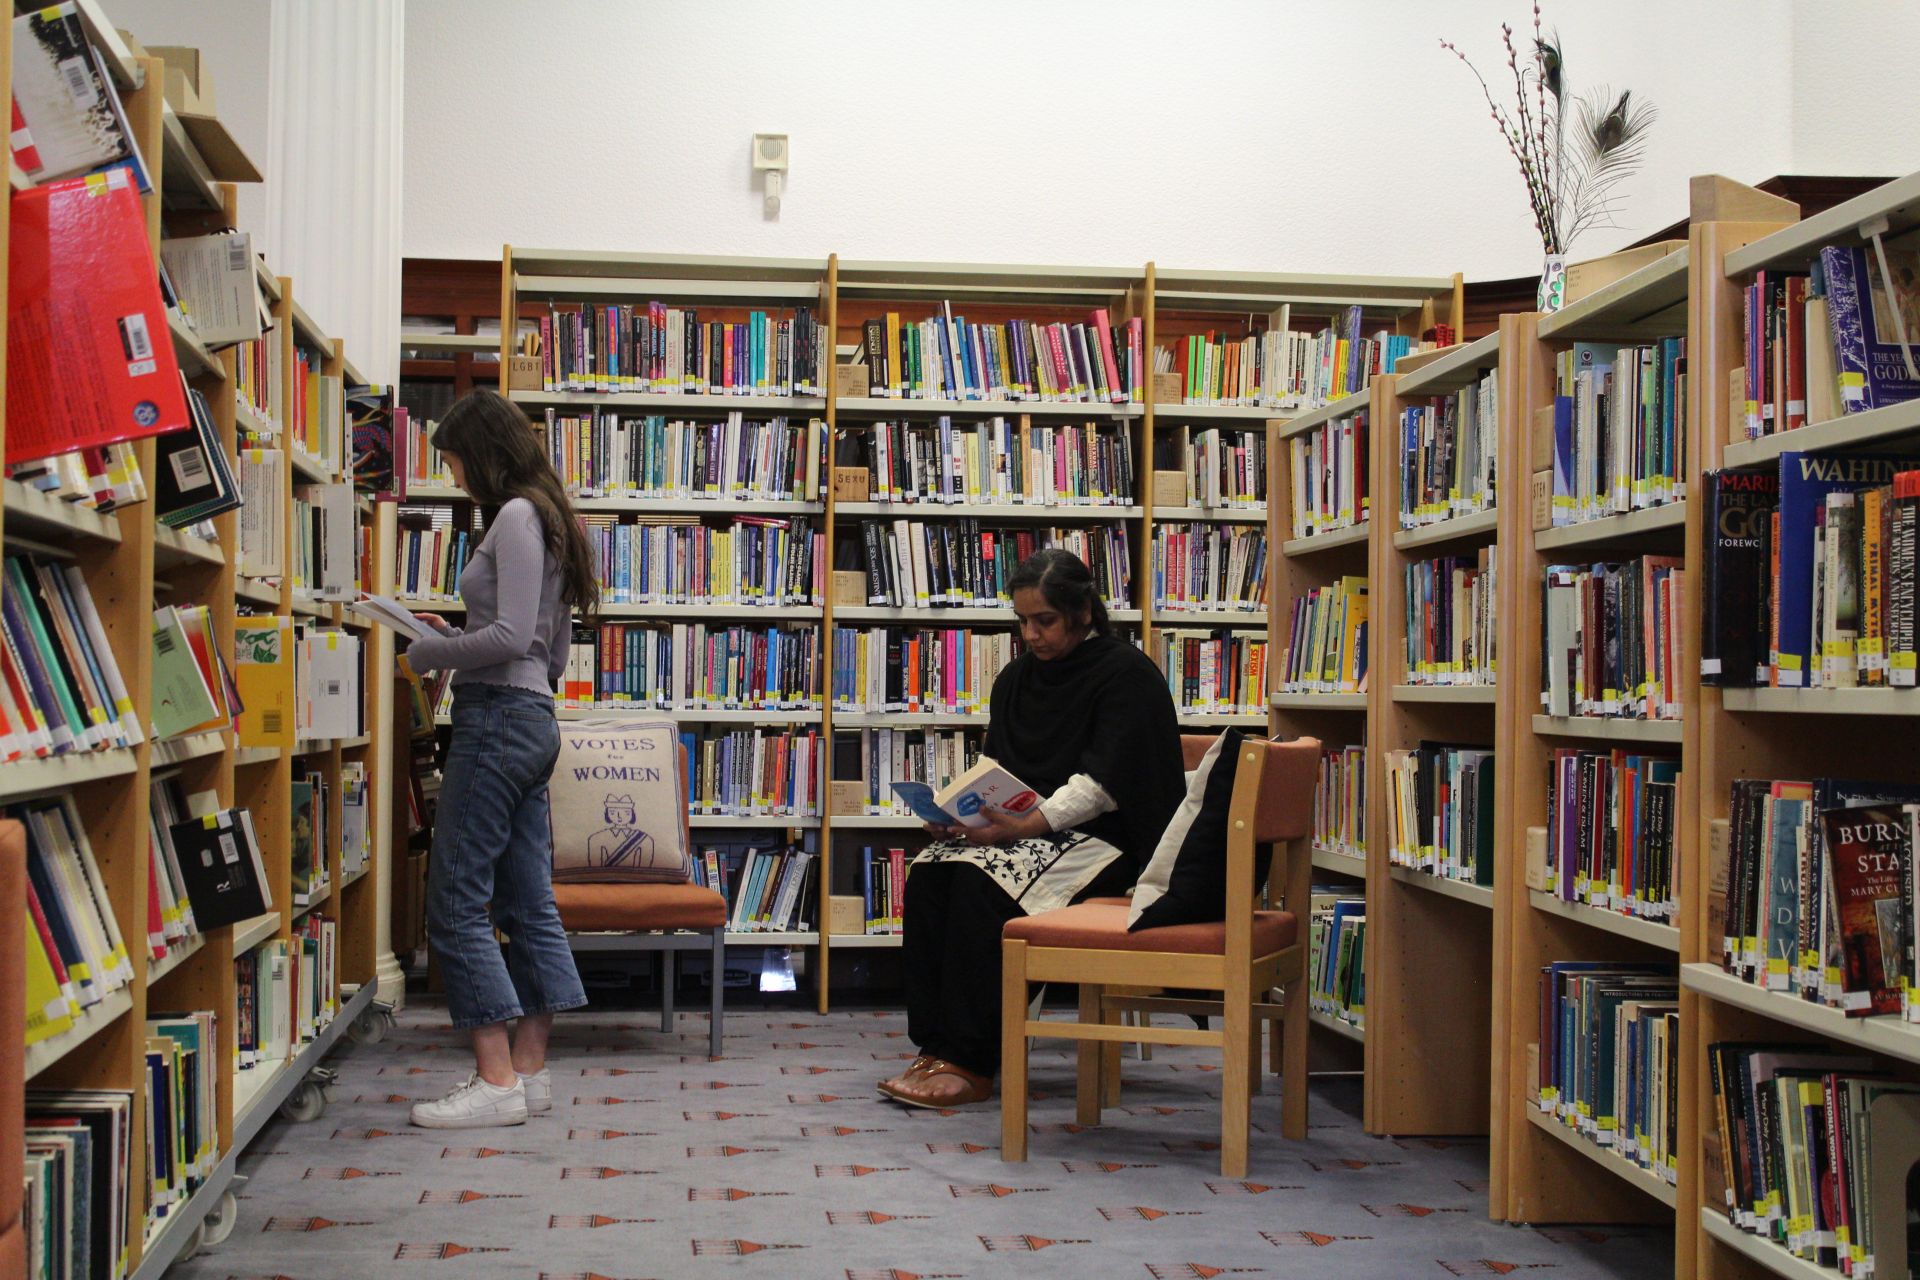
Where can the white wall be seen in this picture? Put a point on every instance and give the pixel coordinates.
(233, 39)
(1314, 135)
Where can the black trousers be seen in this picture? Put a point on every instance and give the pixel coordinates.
(954, 913)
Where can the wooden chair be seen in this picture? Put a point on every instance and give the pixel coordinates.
(668, 918)
(1243, 957)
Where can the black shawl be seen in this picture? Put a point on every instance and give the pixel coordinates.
(1102, 710)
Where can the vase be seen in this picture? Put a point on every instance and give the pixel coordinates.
(1553, 285)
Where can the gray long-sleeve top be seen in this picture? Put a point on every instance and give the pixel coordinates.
(517, 630)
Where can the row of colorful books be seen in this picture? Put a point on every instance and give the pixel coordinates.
(691, 666)
(103, 478)
(1612, 639)
(1223, 467)
(1820, 892)
(428, 561)
(62, 690)
(945, 357)
(1327, 640)
(874, 759)
(422, 463)
(1452, 620)
(325, 561)
(1830, 341)
(1619, 438)
(743, 560)
(75, 953)
(257, 382)
(286, 992)
(1327, 471)
(1340, 801)
(180, 1085)
(1609, 1053)
(749, 773)
(919, 563)
(1811, 573)
(1799, 1132)
(1214, 672)
(1267, 369)
(1448, 448)
(633, 348)
(317, 417)
(1612, 837)
(998, 460)
(1336, 957)
(770, 886)
(609, 454)
(883, 890)
(949, 670)
(1440, 811)
(1209, 566)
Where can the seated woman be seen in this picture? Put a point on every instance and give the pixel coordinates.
(1086, 721)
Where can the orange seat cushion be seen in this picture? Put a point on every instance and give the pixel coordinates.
(603, 908)
(1097, 926)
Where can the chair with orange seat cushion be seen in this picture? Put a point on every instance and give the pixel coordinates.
(668, 918)
(1244, 956)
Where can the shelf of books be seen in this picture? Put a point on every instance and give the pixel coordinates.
(683, 401)
(1796, 941)
(1429, 771)
(1591, 806)
(149, 687)
(1355, 333)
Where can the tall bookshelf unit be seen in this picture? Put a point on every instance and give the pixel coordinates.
(1436, 1027)
(1541, 1171)
(724, 289)
(131, 562)
(1298, 564)
(1775, 733)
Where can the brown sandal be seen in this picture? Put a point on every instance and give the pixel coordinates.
(912, 1087)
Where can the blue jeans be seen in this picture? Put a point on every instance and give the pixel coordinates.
(492, 845)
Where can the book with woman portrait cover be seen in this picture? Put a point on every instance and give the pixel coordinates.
(964, 801)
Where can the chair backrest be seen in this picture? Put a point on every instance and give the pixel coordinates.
(1194, 747)
(1272, 803)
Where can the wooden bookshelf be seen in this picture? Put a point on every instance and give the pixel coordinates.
(1541, 1170)
(131, 561)
(1772, 733)
(1426, 1020)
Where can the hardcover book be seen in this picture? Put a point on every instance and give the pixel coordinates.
(1874, 321)
(1867, 851)
(1733, 639)
(85, 298)
(220, 861)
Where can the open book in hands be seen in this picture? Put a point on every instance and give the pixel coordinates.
(389, 613)
(964, 801)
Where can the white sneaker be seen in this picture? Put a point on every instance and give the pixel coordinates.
(539, 1087)
(474, 1104)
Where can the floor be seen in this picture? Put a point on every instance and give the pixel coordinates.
(780, 1159)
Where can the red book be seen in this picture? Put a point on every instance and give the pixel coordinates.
(89, 358)
(1796, 327)
(1867, 850)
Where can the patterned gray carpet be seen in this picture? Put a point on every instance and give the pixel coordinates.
(781, 1161)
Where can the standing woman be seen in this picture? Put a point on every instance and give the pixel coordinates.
(1086, 721)
(491, 841)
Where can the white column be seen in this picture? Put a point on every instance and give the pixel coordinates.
(334, 125)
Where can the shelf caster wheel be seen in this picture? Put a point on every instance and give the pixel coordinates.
(305, 1103)
(372, 1025)
(219, 1222)
(193, 1244)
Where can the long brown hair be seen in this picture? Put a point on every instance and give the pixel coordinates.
(504, 459)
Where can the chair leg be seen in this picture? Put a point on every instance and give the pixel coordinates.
(1145, 1019)
(667, 979)
(1274, 1042)
(1110, 1059)
(1235, 1097)
(1253, 1057)
(717, 1015)
(1292, 1062)
(1013, 1051)
(1090, 1080)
